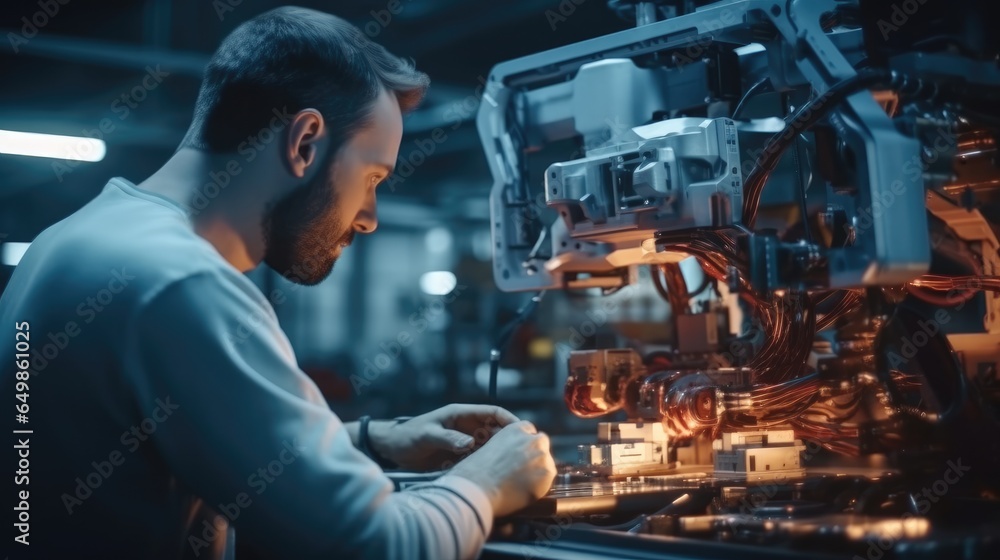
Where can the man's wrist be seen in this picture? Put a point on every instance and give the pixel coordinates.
(379, 441)
(369, 437)
(481, 480)
(352, 428)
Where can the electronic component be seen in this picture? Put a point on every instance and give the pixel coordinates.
(839, 190)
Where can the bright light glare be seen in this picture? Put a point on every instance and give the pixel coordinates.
(11, 253)
(51, 146)
(438, 283)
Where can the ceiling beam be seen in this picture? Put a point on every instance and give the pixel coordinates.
(112, 54)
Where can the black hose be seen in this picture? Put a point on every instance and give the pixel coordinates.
(807, 116)
(654, 272)
(937, 361)
(760, 87)
(497, 351)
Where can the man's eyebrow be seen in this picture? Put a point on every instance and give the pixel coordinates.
(389, 169)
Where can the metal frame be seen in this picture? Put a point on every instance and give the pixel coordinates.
(805, 55)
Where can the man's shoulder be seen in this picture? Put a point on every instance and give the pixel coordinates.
(135, 246)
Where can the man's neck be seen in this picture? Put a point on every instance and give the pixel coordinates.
(198, 182)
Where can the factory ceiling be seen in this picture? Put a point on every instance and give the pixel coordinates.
(127, 72)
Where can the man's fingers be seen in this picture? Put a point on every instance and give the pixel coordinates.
(524, 425)
(452, 440)
(504, 416)
(483, 412)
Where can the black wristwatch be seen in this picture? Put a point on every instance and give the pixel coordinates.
(364, 442)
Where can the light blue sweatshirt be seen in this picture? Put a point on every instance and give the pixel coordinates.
(168, 414)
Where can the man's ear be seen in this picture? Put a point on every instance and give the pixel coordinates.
(306, 138)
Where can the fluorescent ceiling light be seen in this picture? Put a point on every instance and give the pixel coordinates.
(11, 253)
(51, 146)
(438, 283)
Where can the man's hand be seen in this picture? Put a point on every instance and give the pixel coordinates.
(436, 440)
(514, 469)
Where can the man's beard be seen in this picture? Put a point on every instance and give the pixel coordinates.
(302, 233)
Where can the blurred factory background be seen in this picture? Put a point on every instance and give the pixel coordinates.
(406, 321)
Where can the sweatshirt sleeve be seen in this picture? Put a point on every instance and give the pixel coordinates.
(250, 434)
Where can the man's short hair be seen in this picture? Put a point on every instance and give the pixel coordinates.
(288, 59)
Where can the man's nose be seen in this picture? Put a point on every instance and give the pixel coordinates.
(367, 219)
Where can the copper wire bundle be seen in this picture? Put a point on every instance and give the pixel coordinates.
(946, 283)
(675, 290)
(848, 302)
(783, 393)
